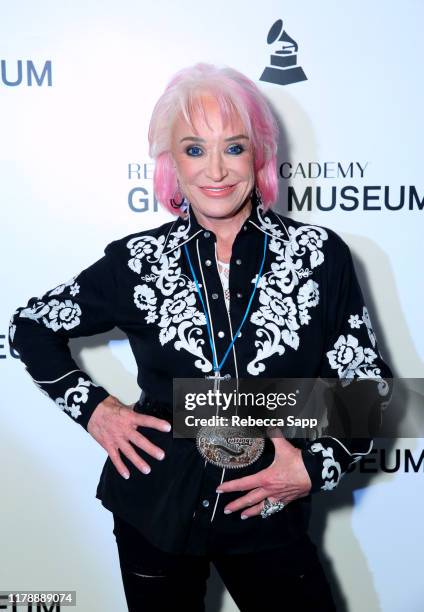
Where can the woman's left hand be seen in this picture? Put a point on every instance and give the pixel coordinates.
(284, 480)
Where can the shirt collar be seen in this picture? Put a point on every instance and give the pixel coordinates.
(185, 228)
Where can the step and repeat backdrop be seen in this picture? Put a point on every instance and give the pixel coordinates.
(78, 83)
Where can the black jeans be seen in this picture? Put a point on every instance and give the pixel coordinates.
(158, 581)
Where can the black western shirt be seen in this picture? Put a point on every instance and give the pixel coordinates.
(308, 319)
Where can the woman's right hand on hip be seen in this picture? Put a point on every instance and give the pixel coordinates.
(114, 425)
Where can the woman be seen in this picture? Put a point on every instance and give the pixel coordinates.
(227, 288)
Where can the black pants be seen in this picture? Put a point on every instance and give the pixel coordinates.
(158, 581)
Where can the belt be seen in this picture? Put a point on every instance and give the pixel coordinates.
(148, 405)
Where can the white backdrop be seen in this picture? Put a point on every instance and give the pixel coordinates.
(73, 146)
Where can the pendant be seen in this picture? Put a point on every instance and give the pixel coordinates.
(230, 447)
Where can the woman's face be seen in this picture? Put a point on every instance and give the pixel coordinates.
(214, 166)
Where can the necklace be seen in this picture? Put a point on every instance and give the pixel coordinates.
(232, 447)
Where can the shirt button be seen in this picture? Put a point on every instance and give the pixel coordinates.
(215, 296)
(239, 295)
(245, 227)
(239, 334)
(208, 262)
(221, 334)
(206, 234)
(205, 503)
(238, 262)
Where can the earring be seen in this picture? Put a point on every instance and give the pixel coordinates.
(258, 196)
(183, 205)
(173, 202)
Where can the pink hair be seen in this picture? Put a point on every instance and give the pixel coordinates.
(235, 95)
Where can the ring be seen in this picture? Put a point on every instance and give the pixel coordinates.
(271, 507)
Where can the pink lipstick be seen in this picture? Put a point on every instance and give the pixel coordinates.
(217, 192)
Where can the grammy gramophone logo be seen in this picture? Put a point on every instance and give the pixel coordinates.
(284, 69)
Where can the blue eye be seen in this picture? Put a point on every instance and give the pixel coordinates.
(191, 148)
(239, 147)
(196, 151)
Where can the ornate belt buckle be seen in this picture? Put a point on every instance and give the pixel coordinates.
(230, 447)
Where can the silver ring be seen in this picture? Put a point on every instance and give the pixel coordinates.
(271, 507)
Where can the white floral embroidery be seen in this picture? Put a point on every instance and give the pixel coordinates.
(177, 309)
(350, 359)
(355, 322)
(304, 317)
(144, 297)
(148, 278)
(179, 317)
(35, 312)
(278, 311)
(142, 247)
(75, 396)
(309, 238)
(331, 469)
(60, 288)
(151, 317)
(173, 243)
(54, 314)
(307, 297)
(62, 314)
(282, 310)
(74, 290)
(286, 294)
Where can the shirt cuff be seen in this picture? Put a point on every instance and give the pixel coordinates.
(75, 393)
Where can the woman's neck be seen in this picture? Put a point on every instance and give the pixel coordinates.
(226, 229)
